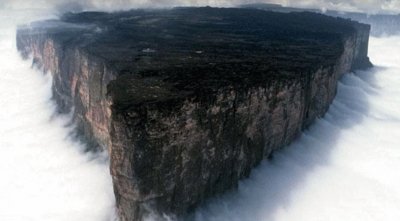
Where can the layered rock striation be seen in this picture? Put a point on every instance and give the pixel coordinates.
(187, 101)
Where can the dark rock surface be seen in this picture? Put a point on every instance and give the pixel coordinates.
(381, 24)
(187, 101)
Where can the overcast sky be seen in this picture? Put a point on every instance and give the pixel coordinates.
(371, 6)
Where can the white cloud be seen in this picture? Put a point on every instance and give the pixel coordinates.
(371, 6)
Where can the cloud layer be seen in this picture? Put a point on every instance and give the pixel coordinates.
(45, 174)
(371, 6)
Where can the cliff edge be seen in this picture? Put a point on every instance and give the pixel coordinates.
(187, 101)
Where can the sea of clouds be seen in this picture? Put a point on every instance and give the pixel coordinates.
(44, 174)
(345, 167)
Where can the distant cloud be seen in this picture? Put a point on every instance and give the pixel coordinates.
(371, 6)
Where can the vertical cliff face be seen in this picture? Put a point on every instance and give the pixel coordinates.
(187, 107)
(360, 59)
(187, 152)
(79, 83)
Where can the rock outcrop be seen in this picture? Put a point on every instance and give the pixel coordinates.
(187, 101)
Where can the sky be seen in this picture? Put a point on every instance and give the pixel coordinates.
(369, 6)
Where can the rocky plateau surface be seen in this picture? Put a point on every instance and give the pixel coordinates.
(188, 100)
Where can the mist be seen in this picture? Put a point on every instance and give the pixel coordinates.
(345, 167)
(45, 174)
